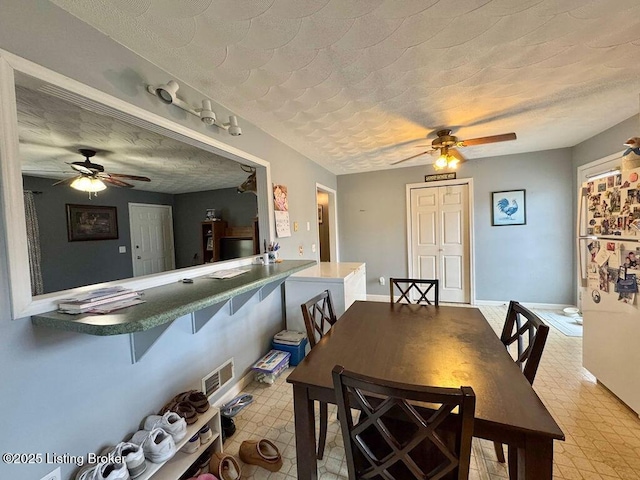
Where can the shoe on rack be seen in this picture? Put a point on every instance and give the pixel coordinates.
(104, 471)
(230, 409)
(158, 445)
(196, 398)
(225, 467)
(192, 445)
(183, 409)
(132, 455)
(205, 435)
(170, 422)
(263, 453)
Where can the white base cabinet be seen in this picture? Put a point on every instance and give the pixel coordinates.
(347, 283)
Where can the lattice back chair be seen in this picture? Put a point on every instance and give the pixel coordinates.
(522, 324)
(394, 438)
(418, 285)
(319, 317)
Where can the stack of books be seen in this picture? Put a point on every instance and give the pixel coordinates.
(101, 300)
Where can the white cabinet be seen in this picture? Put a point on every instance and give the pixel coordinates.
(180, 462)
(347, 283)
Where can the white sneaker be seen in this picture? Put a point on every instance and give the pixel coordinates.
(104, 471)
(170, 422)
(158, 445)
(192, 445)
(205, 435)
(132, 455)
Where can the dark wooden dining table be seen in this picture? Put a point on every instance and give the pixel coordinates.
(428, 345)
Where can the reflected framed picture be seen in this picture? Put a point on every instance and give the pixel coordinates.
(508, 207)
(91, 222)
(319, 213)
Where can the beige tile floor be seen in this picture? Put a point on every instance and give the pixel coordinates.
(602, 435)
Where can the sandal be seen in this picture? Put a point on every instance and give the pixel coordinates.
(232, 408)
(263, 453)
(196, 398)
(184, 409)
(225, 467)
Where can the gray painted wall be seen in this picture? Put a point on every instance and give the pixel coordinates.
(529, 263)
(72, 393)
(72, 264)
(238, 210)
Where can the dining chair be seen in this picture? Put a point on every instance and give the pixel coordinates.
(530, 332)
(319, 317)
(393, 437)
(421, 286)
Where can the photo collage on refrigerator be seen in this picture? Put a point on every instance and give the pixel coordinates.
(614, 211)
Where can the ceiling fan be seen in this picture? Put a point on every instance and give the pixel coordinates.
(445, 144)
(92, 177)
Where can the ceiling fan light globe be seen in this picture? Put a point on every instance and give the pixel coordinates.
(453, 163)
(87, 184)
(440, 163)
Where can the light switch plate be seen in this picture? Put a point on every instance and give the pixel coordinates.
(295, 226)
(308, 226)
(122, 249)
(313, 248)
(55, 475)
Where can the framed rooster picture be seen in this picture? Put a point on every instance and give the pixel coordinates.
(508, 207)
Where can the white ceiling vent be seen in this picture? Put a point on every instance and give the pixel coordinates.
(218, 378)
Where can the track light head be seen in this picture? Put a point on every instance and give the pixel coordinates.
(167, 93)
(234, 129)
(207, 115)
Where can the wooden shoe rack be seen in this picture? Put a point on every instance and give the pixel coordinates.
(173, 468)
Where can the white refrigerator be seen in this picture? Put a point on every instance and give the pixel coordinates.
(609, 269)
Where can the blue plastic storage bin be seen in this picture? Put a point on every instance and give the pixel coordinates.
(296, 351)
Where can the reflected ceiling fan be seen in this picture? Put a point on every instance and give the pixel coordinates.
(92, 177)
(445, 145)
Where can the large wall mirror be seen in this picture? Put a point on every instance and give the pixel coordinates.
(175, 203)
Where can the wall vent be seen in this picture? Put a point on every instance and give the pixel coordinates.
(218, 378)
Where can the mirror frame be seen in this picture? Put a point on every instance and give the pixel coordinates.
(23, 304)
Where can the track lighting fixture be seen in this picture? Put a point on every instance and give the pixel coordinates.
(206, 114)
(168, 94)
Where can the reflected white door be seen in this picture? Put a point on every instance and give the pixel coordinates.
(151, 238)
(440, 239)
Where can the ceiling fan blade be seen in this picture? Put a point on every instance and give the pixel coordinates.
(66, 181)
(409, 158)
(130, 177)
(492, 139)
(115, 182)
(81, 168)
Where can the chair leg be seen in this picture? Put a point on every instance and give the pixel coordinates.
(512, 454)
(499, 451)
(322, 438)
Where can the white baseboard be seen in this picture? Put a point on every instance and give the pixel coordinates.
(541, 306)
(485, 303)
(233, 391)
(377, 298)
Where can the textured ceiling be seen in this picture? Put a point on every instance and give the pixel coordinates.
(352, 84)
(52, 130)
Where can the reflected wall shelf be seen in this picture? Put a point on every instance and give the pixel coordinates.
(202, 300)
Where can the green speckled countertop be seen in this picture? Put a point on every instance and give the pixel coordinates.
(168, 302)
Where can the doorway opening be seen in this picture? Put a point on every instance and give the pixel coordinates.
(327, 224)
